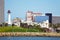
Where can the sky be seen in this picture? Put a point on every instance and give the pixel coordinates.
(19, 8)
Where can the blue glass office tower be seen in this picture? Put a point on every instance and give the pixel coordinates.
(40, 19)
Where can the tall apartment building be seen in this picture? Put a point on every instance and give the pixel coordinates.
(1, 11)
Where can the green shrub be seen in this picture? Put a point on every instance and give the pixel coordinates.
(19, 29)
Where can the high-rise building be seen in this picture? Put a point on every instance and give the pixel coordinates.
(50, 17)
(1, 11)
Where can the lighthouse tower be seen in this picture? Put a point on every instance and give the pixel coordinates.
(9, 17)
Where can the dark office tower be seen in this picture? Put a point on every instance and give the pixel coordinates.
(50, 17)
(1, 11)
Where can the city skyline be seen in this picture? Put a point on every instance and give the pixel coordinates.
(19, 8)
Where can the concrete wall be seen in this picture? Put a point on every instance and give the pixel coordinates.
(1, 11)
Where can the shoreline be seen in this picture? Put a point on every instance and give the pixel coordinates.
(28, 34)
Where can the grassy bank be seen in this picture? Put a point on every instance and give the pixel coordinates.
(19, 29)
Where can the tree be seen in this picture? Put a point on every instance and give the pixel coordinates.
(50, 24)
(58, 24)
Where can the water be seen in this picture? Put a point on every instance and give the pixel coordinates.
(29, 38)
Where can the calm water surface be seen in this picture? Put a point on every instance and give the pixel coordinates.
(29, 38)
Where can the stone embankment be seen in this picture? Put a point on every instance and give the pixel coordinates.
(2, 34)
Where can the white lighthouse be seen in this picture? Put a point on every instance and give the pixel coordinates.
(9, 17)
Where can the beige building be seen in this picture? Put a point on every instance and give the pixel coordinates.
(1, 11)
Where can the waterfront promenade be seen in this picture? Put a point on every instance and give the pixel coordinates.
(2, 34)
